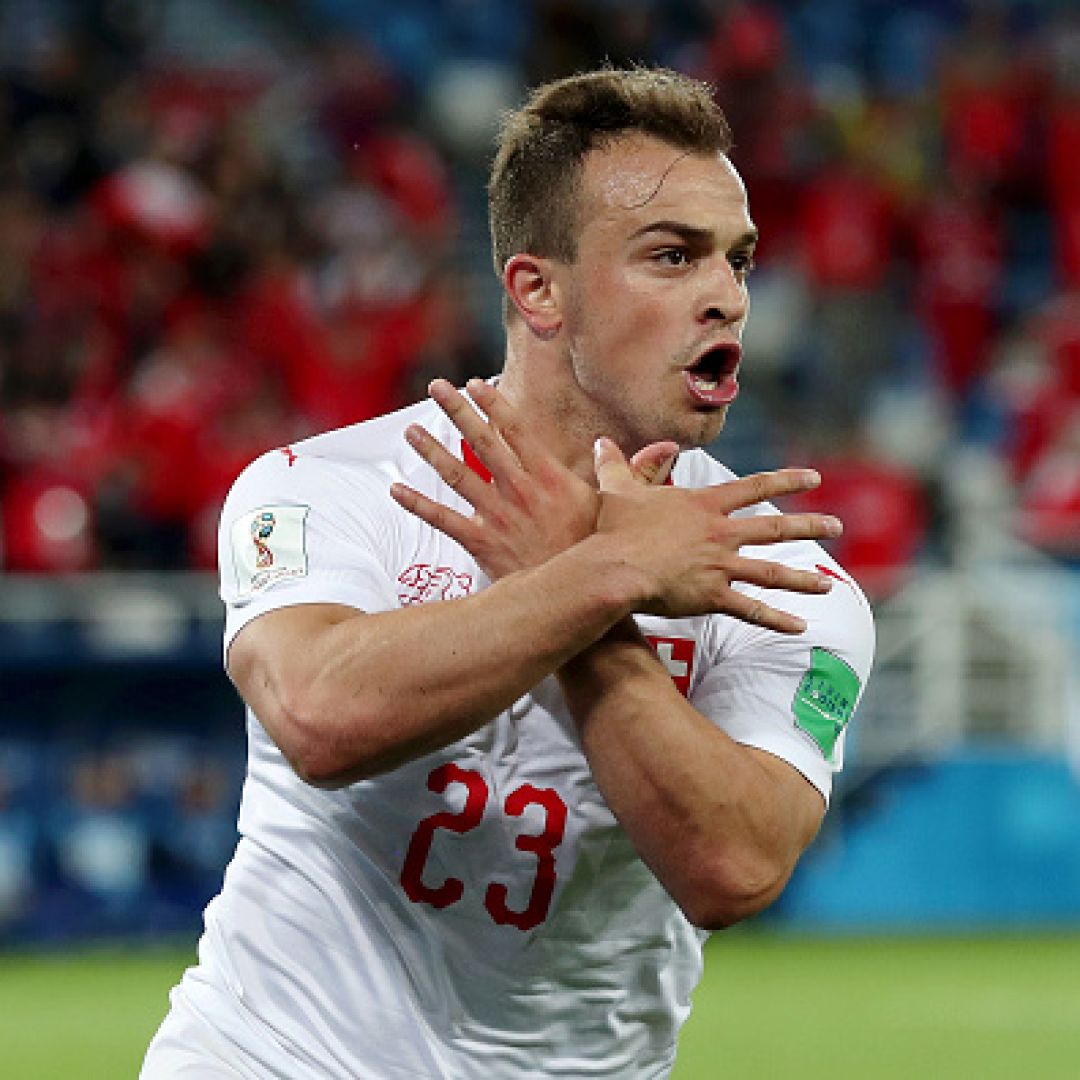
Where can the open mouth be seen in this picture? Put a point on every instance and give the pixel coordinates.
(712, 378)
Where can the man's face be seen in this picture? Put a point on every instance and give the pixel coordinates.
(655, 303)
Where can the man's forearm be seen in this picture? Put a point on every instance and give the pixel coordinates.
(720, 824)
(368, 692)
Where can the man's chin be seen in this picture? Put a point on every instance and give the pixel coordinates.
(689, 430)
(706, 428)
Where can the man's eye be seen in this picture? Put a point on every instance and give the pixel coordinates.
(673, 257)
(741, 264)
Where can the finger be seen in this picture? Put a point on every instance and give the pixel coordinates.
(760, 487)
(751, 610)
(449, 522)
(451, 470)
(612, 469)
(654, 463)
(476, 431)
(773, 575)
(776, 528)
(527, 449)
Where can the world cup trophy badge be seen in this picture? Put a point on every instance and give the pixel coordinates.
(261, 528)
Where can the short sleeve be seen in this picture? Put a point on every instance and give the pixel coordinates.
(794, 695)
(303, 531)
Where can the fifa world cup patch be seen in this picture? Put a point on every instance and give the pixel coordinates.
(268, 545)
(825, 699)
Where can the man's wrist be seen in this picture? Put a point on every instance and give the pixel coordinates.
(622, 585)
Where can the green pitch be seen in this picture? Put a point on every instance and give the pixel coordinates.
(928, 1008)
(769, 1006)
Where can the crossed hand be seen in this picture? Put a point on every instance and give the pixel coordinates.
(680, 546)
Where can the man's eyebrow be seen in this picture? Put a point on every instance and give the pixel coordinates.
(694, 233)
(748, 239)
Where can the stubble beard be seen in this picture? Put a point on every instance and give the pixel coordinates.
(610, 411)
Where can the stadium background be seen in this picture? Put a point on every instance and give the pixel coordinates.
(225, 224)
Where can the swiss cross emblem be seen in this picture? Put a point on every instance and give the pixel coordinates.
(422, 582)
(677, 655)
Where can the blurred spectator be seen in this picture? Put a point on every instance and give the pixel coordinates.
(46, 509)
(884, 508)
(247, 426)
(958, 278)
(849, 231)
(1063, 160)
(179, 390)
(19, 842)
(100, 843)
(359, 92)
(197, 833)
(988, 88)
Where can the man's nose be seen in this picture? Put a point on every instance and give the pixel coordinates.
(725, 298)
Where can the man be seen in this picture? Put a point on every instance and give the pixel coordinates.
(527, 721)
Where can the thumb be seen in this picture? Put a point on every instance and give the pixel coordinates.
(612, 470)
(653, 463)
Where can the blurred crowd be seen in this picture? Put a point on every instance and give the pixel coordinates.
(226, 225)
(99, 841)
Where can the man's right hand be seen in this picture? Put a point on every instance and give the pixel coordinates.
(685, 544)
(534, 507)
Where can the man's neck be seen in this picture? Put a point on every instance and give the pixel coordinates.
(538, 397)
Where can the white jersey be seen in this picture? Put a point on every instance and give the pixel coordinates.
(478, 912)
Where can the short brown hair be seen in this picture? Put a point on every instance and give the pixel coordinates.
(535, 177)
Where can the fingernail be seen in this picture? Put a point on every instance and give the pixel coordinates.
(833, 526)
(824, 583)
(598, 446)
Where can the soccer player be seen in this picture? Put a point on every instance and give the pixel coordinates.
(538, 693)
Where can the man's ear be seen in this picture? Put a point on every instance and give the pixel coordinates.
(533, 292)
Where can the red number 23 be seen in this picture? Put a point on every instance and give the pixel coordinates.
(542, 846)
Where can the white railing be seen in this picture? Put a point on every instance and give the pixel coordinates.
(130, 614)
(984, 654)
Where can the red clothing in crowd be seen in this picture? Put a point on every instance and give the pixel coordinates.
(340, 367)
(46, 517)
(848, 230)
(1063, 163)
(885, 515)
(959, 266)
(987, 95)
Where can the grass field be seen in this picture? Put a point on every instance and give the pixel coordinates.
(770, 1007)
